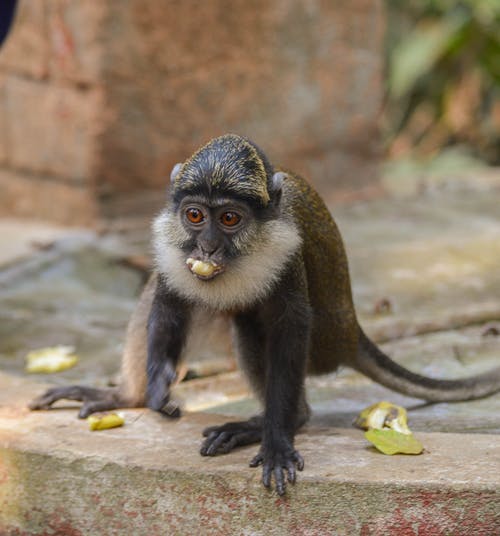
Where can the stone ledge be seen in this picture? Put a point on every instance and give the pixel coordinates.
(148, 478)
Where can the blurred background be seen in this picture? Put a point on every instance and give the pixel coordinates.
(99, 99)
(390, 108)
(441, 97)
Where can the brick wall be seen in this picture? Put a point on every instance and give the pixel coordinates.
(100, 98)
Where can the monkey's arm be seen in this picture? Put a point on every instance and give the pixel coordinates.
(287, 343)
(167, 329)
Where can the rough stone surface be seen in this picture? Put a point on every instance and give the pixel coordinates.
(77, 31)
(148, 477)
(31, 197)
(435, 260)
(31, 237)
(51, 130)
(26, 51)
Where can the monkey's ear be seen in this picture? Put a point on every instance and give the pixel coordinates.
(175, 171)
(276, 186)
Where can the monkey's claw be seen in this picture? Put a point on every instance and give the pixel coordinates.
(223, 439)
(160, 379)
(93, 399)
(277, 464)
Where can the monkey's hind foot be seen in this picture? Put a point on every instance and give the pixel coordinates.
(223, 439)
(278, 459)
(93, 399)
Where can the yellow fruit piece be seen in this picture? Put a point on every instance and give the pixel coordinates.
(201, 268)
(105, 421)
(384, 415)
(392, 442)
(51, 359)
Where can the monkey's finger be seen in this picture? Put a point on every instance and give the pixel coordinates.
(292, 474)
(204, 447)
(41, 402)
(206, 444)
(210, 430)
(256, 460)
(171, 410)
(245, 438)
(213, 448)
(229, 445)
(158, 398)
(297, 458)
(279, 478)
(266, 475)
(50, 396)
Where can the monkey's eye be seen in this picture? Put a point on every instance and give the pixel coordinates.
(230, 219)
(194, 215)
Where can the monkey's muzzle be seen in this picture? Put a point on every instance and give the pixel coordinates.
(204, 270)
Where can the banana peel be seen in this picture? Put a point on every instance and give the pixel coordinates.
(386, 426)
(391, 442)
(384, 415)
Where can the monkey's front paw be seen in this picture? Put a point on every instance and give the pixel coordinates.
(159, 391)
(223, 439)
(276, 461)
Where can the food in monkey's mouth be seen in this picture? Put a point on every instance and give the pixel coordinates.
(204, 270)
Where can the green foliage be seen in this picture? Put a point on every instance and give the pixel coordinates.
(443, 80)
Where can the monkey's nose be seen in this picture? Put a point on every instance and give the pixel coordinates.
(209, 249)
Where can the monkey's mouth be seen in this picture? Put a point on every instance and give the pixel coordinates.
(204, 270)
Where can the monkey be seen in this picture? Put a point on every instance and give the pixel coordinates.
(241, 238)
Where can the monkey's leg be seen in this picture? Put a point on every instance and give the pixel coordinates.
(251, 347)
(93, 399)
(273, 349)
(222, 439)
(288, 321)
(251, 350)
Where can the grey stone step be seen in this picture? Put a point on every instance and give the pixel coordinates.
(148, 478)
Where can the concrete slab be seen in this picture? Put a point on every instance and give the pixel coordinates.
(434, 257)
(74, 293)
(21, 238)
(148, 478)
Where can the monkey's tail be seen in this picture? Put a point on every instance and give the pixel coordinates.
(372, 362)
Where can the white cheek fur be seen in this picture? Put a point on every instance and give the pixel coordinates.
(246, 280)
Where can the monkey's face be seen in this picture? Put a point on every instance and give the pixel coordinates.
(217, 232)
(224, 239)
(220, 252)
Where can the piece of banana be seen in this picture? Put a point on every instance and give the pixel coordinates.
(105, 421)
(205, 269)
(51, 359)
